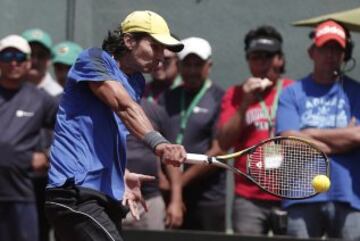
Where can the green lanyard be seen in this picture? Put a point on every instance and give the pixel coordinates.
(150, 98)
(270, 118)
(185, 114)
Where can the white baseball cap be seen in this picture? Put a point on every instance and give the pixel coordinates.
(195, 45)
(16, 42)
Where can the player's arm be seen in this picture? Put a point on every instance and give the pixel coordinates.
(130, 112)
(196, 172)
(116, 97)
(230, 132)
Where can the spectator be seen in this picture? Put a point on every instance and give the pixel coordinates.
(193, 109)
(65, 54)
(41, 43)
(21, 121)
(164, 77)
(247, 117)
(324, 107)
(158, 215)
(88, 182)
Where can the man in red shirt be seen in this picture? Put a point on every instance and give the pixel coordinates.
(247, 117)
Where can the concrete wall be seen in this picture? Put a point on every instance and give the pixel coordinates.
(223, 23)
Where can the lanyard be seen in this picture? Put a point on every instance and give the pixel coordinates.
(185, 114)
(270, 118)
(150, 98)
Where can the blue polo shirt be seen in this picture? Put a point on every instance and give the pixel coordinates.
(89, 138)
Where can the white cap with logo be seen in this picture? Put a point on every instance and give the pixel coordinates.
(16, 42)
(197, 46)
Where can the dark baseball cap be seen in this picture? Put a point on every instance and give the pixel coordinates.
(270, 45)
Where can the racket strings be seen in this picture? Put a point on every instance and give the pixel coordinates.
(286, 167)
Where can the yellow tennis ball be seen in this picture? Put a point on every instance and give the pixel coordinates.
(321, 183)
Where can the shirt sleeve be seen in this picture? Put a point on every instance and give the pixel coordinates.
(287, 115)
(229, 105)
(92, 65)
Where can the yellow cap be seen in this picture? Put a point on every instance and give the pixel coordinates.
(153, 24)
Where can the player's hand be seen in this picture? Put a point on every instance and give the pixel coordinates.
(132, 194)
(39, 163)
(171, 154)
(253, 86)
(174, 214)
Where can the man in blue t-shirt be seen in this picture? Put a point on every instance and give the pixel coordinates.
(88, 182)
(325, 107)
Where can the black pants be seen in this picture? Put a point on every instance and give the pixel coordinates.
(81, 214)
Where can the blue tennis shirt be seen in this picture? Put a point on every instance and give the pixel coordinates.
(89, 138)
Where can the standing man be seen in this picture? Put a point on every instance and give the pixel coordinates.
(65, 54)
(24, 111)
(193, 109)
(88, 182)
(247, 117)
(325, 108)
(41, 43)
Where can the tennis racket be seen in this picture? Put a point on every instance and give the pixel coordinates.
(282, 166)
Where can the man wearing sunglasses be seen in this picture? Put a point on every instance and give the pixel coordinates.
(24, 110)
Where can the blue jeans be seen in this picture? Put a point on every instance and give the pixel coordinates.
(18, 221)
(333, 219)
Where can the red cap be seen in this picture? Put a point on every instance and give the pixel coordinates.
(329, 30)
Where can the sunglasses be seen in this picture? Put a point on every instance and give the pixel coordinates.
(10, 56)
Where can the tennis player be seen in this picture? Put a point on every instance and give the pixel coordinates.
(88, 183)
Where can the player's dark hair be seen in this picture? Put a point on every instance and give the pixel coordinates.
(265, 31)
(114, 42)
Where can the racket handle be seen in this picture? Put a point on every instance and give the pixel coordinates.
(192, 158)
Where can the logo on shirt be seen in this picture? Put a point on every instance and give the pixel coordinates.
(255, 116)
(22, 113)
(198, 109)
(324, 112)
